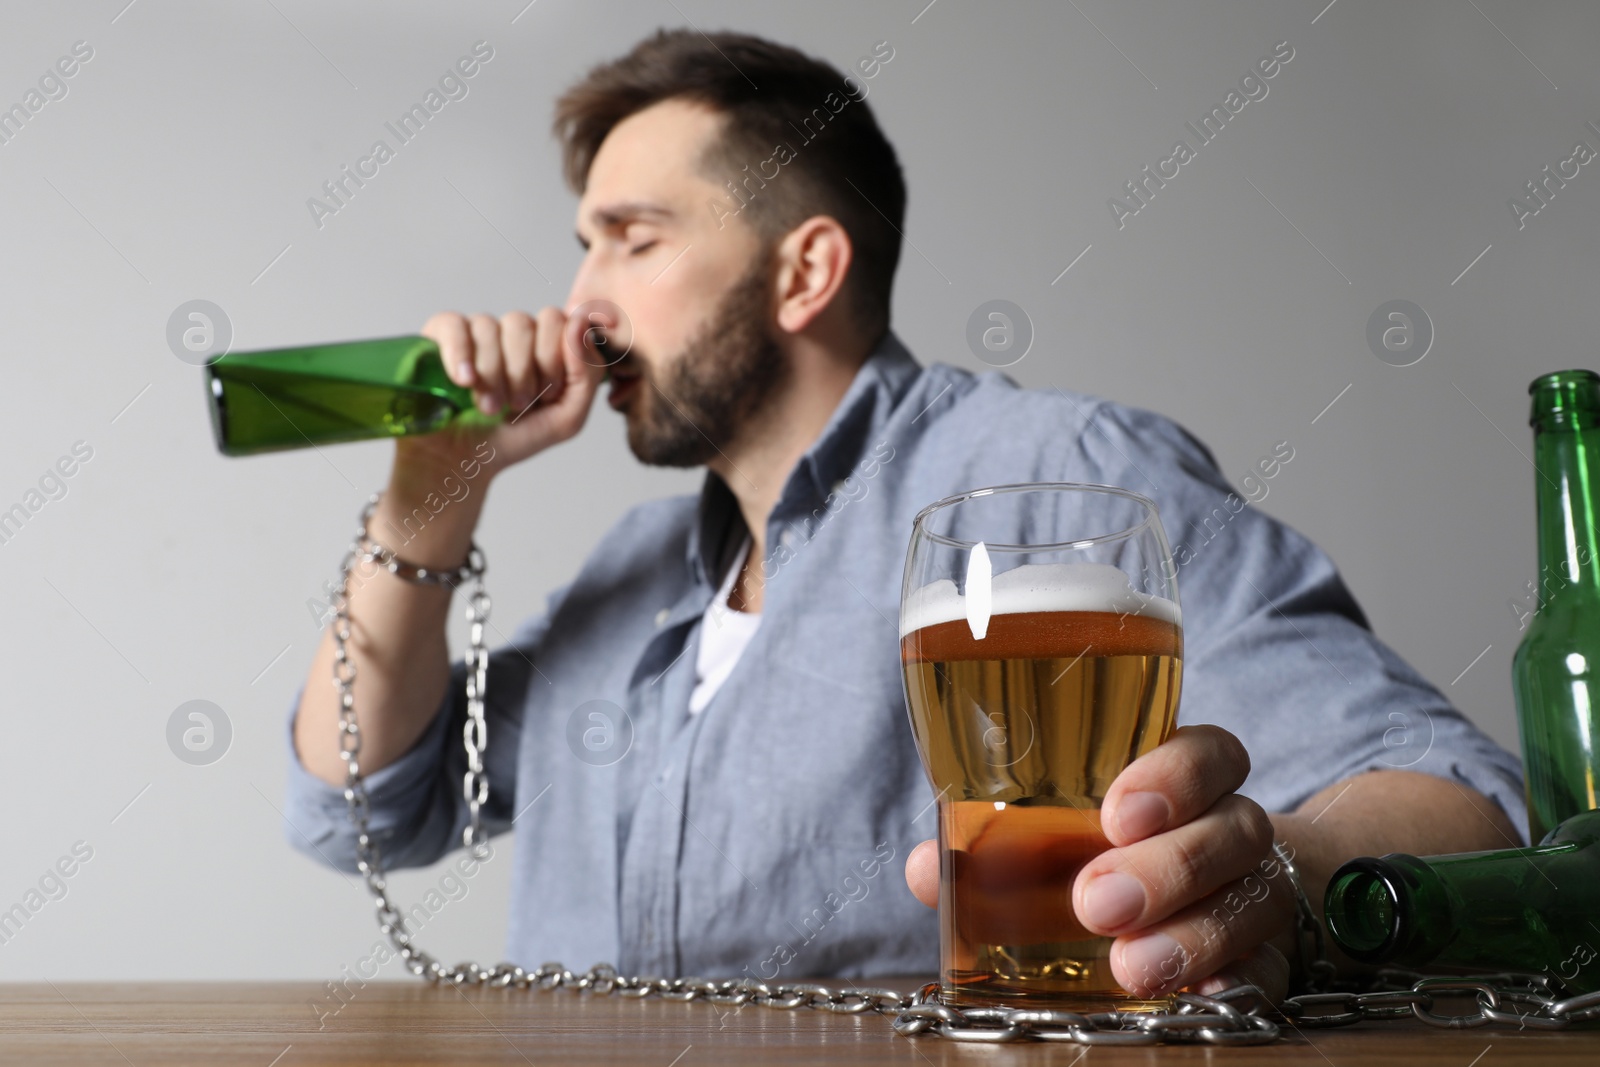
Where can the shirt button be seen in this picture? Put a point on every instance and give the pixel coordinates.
(661, 616)
(788, 538)
(838, 488)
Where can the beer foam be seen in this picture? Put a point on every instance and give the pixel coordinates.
(1077, 586)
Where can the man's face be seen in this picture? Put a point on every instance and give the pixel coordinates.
(698, 297)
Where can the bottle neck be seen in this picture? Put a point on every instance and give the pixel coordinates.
(1566, 444)
(1469, 909)
(1389, 910)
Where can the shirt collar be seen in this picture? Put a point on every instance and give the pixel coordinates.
(879, 383)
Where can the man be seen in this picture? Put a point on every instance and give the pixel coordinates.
(736, 650)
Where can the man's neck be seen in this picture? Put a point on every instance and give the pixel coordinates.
(759, 462)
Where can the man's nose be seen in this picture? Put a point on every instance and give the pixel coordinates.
(586, 286)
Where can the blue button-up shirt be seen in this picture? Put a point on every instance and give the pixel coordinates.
(766, 836)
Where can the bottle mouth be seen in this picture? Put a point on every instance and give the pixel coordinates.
(1362, 909)
(219, 411)
(1567, 399)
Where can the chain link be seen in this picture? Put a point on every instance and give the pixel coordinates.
(1317, 971)
(1521, 1000)
(475, 782)
(1516, 999)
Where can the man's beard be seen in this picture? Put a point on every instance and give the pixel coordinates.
(711, 390)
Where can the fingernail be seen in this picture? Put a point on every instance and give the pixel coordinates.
(488, 404)
(1155, 962)
(1141, 814)
(464, 372)
(1113, 900)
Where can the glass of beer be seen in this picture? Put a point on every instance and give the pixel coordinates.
(1042, 646)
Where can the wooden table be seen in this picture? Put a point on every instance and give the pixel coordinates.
(273, 1024)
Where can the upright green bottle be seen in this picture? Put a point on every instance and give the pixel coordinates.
(299, 397)
(1556, 670)
(1523, 909)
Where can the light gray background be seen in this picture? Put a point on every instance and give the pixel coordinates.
(178, 167)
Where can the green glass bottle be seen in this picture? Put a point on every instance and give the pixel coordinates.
(1524, 909)
(1557, 666)
(298, 397)
(1529, 909)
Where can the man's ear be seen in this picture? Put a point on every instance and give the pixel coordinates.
(812, 261)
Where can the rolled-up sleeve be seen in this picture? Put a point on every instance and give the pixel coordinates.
(1276, 648)
(416, 811)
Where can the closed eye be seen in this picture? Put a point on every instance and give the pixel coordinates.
(638, 249)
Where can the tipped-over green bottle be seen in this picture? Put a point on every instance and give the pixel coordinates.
(1556, 670)
(298, 397)
(1523, 909)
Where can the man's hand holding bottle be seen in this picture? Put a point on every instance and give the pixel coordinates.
(540, 373)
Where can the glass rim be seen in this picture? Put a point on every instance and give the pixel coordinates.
(1151, 512)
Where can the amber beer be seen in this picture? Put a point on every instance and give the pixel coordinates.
(1022, 733)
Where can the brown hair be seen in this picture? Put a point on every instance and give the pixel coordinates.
(776, 101)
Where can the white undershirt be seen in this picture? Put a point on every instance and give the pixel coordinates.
(723, 634)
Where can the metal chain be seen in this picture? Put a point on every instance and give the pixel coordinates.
(1318, 974)
(422, 575)
(1513, 998)
(475, 782)
(1212, 1020)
